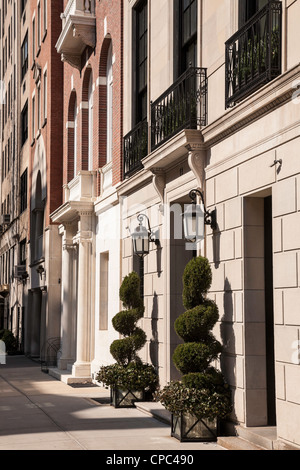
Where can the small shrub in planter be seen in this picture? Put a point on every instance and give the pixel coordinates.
(129, 378)
(202, 398)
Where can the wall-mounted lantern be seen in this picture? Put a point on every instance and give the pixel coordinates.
(196, 217)
(142, 237)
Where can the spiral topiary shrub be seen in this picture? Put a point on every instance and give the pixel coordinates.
(202, 391)
(129, 372)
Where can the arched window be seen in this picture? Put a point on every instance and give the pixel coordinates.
(90, 124)
(75, 137)
(109, 93)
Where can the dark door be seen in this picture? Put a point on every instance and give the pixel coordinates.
(270, 360)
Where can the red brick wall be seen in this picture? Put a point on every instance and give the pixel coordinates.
(112, 10)
(52, 130)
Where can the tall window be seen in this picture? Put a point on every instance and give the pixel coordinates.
(39, 25)
(39, 107)
(24, 57)
(248, 8)
(24, 124)
(75, 137)
(141, 41)
(33, 119)
(33, 39)
(44, 17)
(45, 96)
(23, 189)
(109, 76)
(90, 126)
(185, 35)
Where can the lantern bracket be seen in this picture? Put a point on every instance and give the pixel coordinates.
(152, 237)
(210, 217)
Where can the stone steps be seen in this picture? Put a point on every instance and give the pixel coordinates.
(237, 443)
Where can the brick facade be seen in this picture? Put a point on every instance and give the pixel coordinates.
(76, 84)
(51, 128)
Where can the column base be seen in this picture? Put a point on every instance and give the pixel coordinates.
(65, 364)
(82, 369)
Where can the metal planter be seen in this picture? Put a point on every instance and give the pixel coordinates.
(125, 398)
(188, 428)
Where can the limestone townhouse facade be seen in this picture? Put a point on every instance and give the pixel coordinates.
(136, 109)
(211, 102)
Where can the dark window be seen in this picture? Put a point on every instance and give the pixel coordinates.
(141, 42)
(185, 35)
(23, 252)
(23, 189)
(248, 8)
(24, 124)
(24, 57)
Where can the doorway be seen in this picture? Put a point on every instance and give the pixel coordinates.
(259, 312)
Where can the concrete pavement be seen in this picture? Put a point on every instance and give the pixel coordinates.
(38, 412)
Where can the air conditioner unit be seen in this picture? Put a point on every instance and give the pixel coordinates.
(20, 271)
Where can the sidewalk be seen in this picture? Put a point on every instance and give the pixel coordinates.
(38, 412)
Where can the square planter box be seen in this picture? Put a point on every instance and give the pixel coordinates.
(188, 428)
(125, 398)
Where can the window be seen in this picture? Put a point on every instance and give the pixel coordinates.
(24, 57)
(90, 125)
(109, 126)
(75, 138)
(185, 40)
(23, 252)
(23, 189)
(33, 39)
(39, 26)
(141, 66)
(44, 17)
(248, 8)
(33, 119)
(45, 96)
(24, 124)
(39, 107)
(23, 5)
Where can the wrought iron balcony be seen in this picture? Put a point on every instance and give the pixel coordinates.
(182, 106)
(253, 54)
(78, 31)
(135, 148)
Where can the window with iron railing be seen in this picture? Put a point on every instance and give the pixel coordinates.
(253, 53)
(182, 106)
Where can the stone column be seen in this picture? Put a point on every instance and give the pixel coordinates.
(82, 366)
(67, 298)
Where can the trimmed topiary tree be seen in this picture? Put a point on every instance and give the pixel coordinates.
(202, 391)
(129, 378)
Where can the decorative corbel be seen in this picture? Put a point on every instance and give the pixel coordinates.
(159, 183)
(196, 161)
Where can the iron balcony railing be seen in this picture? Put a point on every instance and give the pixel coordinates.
(182, 106)
(253, 54)
(135, 148)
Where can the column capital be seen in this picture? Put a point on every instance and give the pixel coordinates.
(83, 237)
